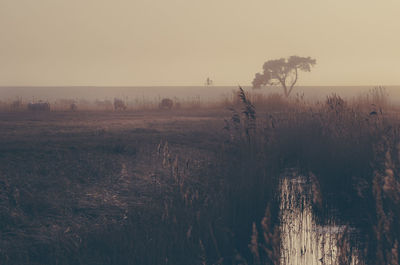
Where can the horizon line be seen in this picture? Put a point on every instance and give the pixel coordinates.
(144, 86)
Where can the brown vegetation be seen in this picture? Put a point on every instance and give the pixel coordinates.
(175, 187)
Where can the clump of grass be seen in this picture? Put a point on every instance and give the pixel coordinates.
(267, 249)
(386, 190)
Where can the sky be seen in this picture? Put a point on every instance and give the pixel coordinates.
(182, 42)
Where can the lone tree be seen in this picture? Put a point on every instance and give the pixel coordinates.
(283, 71)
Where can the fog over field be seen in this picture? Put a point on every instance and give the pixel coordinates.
(204, 93)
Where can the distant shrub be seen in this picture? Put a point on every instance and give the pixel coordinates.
(166, 103)
(119, 104)
(39, 106)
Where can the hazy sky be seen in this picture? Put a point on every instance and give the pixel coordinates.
(181, 42)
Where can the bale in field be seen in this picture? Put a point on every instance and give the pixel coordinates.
(39, 106)
(166, 103)
(119, 104)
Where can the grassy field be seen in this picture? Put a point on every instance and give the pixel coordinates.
(193, 186)
(68, 175)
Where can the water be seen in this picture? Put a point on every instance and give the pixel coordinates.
(303, 241)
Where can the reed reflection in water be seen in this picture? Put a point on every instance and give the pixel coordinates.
(303, 241)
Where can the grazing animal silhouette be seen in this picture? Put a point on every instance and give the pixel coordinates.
(73, 107)
(166, 103)
(119, 104)
(39, 106)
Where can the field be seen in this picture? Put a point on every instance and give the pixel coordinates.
(66, 172)
(195, 185)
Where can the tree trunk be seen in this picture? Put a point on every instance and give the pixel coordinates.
(293, 83)
(286, 91)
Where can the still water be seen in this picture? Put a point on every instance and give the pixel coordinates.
(303, 241)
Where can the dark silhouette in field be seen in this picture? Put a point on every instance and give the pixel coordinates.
(73, 107)
(166, 103)
(284, 72)
(119, 104)
(209, 82)
(39, 106)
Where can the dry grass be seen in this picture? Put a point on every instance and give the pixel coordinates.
(151, 187)
(342, 143)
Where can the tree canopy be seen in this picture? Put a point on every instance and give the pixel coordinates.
(284, 72)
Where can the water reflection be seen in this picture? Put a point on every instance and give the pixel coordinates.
(303, 241)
